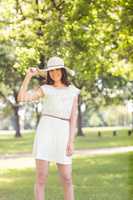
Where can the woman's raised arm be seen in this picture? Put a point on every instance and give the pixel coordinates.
(23, 94)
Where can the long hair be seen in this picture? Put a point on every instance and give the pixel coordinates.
(64, 78)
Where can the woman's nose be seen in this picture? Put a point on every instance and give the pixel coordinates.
(55, 71)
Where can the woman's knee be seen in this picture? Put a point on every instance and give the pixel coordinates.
(66, 179)
(42, 178)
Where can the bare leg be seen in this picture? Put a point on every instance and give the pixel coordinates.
(41, 178)
(65, 172)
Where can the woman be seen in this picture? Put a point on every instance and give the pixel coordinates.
(55, 133)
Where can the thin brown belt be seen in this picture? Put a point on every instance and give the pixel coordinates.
(55, 117)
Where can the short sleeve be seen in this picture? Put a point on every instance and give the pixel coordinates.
(45, 89)
(76, 91)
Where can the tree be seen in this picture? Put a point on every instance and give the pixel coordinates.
(94, 37)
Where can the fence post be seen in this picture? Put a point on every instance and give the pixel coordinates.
(114, 133)
(99, 133)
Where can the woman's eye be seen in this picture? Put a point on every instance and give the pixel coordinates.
(52, 70)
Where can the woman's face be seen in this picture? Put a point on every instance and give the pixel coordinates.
(55, 74)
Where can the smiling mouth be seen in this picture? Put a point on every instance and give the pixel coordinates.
(56, 76)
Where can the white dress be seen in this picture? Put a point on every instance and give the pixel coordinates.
(52, 133)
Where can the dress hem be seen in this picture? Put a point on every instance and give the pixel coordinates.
(52, 160)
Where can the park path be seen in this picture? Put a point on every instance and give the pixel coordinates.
(25, 160)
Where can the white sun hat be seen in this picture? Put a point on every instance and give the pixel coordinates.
(57, 63)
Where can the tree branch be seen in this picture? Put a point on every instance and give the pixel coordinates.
(6, 100)
(57, 7)
(18, 8)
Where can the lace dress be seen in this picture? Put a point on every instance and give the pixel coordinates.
(52, 133)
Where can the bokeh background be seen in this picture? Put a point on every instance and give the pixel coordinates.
(95, 38)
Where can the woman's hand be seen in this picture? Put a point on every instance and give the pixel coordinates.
(70, 148)
(32, 71)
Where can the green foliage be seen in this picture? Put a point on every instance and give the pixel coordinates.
(94, 37)
(25, 58)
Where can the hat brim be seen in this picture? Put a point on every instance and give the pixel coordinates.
(43, 72)
(54, 67)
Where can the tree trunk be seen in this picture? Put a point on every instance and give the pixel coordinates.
(17, 121)
(80, 132)
(99, 114)
(38, 115)
(15, 109)
(101, 118)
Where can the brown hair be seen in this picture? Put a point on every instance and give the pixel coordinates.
(64, 78)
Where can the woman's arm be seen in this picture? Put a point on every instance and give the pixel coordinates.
(73, 120)
(23, 94)
(73, 126)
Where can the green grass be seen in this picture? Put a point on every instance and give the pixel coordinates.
(94, 178)
(11, 145)
(91, 139)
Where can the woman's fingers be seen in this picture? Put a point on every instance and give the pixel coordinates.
(69, 150)
(32, 71)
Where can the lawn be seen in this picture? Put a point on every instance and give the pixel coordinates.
(11, 145)
(94, 178)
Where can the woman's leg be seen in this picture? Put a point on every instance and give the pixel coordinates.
(65, 172)
(41, 178)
